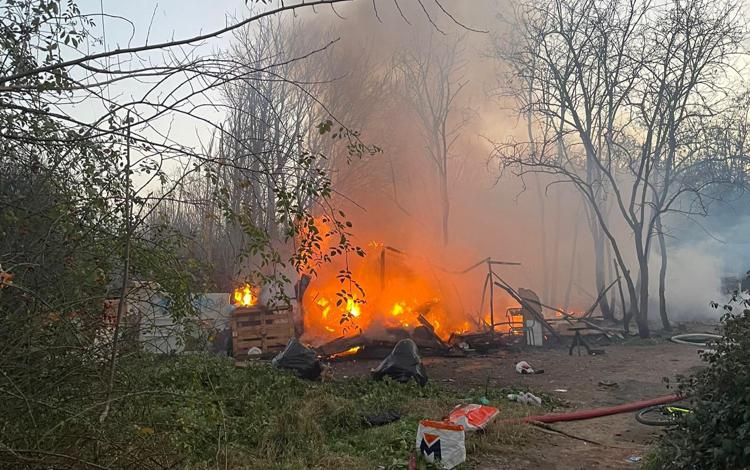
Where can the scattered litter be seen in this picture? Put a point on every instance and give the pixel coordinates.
(523, 367)
(484, 401)
(382, 418)
(634, 459)
(525, 397)
(254, 351)
(299, 359)
(473, 417)
(442, 443)
(402, 364)
(561, 390)
(607, 383)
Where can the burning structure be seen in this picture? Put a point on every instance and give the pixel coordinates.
(393, 295)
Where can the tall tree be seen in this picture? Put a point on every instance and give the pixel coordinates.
(616, 89)
(430, 75)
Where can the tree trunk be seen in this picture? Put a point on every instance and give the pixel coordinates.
(556, 254)
(601, 281)
(544, 265)
(625, 310)
(641, 318)
(445, 204)
(597, 233)
(121, 304)
(662, 277)
(573, 255)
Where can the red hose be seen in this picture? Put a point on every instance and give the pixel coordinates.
(597, 412)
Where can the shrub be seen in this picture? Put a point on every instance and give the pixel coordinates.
(717, 434)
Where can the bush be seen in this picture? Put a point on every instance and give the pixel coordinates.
(717, 434)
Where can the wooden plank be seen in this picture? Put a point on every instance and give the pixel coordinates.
(280, 336)
(260, 327)
(247, 344)
(243, 328)
(274, 329)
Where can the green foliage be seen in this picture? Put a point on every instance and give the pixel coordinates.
(199, 411)
(717, 434)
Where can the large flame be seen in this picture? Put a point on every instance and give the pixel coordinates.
(397, 292)
(244, 296)
(389, 289)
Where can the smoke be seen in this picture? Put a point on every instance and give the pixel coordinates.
(694, 276)
(707, 262)
(393, 198)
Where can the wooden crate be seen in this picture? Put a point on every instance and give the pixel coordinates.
(262, 327)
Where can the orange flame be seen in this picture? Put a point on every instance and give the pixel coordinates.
(353, 307)
(244, 296)
(348, 352)
(389, 289)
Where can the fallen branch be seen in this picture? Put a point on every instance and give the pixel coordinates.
(599, 299)
(544, 427)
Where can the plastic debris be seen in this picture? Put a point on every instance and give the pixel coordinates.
(608, 383)
(523, 367)
(382, 418)
(254, 351)
(442, 443)
(525, 397)
(402, 364)
(473, 417)
(299, 359)
(634, 459)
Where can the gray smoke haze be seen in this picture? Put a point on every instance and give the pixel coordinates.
(393, 197)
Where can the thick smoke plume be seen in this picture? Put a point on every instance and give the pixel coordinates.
(393, 198)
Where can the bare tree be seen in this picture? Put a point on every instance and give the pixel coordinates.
(431, 77)
(616, 90)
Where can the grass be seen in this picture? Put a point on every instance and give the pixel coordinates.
(260, 417)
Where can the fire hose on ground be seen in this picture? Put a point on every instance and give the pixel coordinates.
(596, 412)
(697, 339)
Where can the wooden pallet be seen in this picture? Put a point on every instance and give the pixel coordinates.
(261, 327)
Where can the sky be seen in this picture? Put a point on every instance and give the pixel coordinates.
(171, 18)
(138, 22)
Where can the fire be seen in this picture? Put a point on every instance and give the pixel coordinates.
(325, 305)
(348, 352)
(397, 309)
(391, 290)
(244, 296)
(353, 307)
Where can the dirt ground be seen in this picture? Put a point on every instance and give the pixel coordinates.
(633, 372)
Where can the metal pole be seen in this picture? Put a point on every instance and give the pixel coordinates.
(492, 298)
(382, 269)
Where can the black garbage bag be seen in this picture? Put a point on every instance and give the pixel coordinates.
(402, 364)
(381, 419)
(299, 359)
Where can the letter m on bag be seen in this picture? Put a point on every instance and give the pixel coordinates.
(430, 445)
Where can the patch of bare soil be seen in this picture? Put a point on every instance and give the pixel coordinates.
(629, 373)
